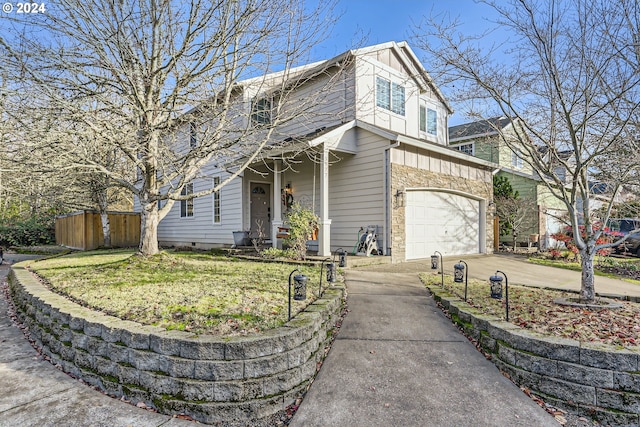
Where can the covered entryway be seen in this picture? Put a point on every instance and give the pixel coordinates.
(441, 221)
(261, 208)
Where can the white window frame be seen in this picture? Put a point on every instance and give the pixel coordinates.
(471, 152)
(432, 121)
(216, 204)
(261, 108)
(390, 96)
(187, 206)
(516, 159)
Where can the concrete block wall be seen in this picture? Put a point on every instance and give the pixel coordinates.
(232, 381)
(596, 380)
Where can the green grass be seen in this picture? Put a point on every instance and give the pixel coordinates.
(195, 292)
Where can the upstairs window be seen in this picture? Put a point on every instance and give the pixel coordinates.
(186, 206)
(423, 118)
(516, 159)
(193, 135)
(432, 122)
(216, 201)
(261, 111)
(466, 148)
(390, 96)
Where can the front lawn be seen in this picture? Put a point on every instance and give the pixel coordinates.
(196, 292)
(534, 309)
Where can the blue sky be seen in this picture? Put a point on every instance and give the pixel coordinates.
(369, 22)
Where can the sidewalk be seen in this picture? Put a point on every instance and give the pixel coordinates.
(398, 361)
(34, 393)
(520, 272)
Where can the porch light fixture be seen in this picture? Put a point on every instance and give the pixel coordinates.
(434, 265)
(496, 289)
(399, 196)
(342, 257)
(300, 288)
(459, 270)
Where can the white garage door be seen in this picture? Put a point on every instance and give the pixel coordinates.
(444, 222)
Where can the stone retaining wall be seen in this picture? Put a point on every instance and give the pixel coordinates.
(597, 381)
(222, 381)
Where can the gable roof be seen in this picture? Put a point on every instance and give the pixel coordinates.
(481, 128)
(411, 62)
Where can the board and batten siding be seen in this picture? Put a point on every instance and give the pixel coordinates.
(200, 229)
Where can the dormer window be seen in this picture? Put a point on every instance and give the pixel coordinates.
(261, 111)
(390, 96)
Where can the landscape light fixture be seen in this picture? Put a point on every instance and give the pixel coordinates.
(321, 267)
(300, 288)
(434, 265)
(496, 289)
(342, 257)
(459, 270)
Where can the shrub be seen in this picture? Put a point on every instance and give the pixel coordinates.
(32, 231)
(302, 222)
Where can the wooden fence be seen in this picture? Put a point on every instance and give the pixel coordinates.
(83, 230)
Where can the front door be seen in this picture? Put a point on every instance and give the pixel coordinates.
(260, 209)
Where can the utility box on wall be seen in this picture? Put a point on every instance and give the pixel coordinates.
(83, 230)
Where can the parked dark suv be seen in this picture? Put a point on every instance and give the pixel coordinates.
(632, 244)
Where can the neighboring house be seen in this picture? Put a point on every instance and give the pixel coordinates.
(483, 139)
(375, 156)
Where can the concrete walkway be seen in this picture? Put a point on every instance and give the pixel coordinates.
(398, 361)
(34, 393)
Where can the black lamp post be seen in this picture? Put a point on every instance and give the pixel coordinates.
(458, 271)
(321, 267)
(342, 257)
(496, 289)
(434, 265)
(300, 288)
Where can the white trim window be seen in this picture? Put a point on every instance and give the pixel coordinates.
(423, 118)
(516, 159)
(186, 206)
(466, 148)
(432, 122)
(261, 111)
(215, 200)
(390, 96)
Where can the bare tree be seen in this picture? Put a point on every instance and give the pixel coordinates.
(568, 72)
(172, 86)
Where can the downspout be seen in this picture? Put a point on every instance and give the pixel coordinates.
(387, 202)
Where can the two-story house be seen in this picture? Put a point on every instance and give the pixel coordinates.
(376, 155)
(484, 139)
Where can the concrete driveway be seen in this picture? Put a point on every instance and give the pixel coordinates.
(519, 272)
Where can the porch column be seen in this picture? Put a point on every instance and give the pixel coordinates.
(324, 237)
(276, 205)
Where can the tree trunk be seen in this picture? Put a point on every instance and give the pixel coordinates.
(149, 229)
(106, 229)
(587, 290)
